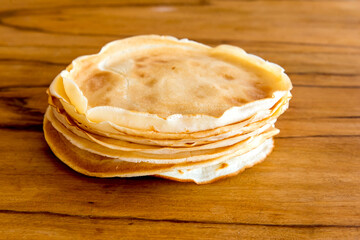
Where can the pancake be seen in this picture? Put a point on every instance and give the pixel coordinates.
(228, 168)
(160, 106)
(95, 165)
(58, 120)
(135, 156)
(230, 85)
(109, 129)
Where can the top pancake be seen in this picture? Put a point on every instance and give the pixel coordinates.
(169, 85)
(169, 80)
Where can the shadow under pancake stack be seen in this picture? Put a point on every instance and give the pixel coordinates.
(156, 105)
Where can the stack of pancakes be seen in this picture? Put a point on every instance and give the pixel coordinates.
(155, 105)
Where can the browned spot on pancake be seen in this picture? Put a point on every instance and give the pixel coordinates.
(235, 100)
(141, 74)
(173, 68)
(96, 81)
(151, 98)
(200, 95)
(151, 82)
(160, 61)
(104, 101)
(141, 59)
(222, 166)
(204, 91)
(228, 77)
(195, 63)
(138, 65)
(190, 143)
(265, 89)
(256, 94)
(181, 172)
(261, 89)
(109, 88)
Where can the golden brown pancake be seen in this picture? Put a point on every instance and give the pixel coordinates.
(96, 165)
(212, 87)
(157, 105)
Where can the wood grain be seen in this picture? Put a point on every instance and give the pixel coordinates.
(306, 189)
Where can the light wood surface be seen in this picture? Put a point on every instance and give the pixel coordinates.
(308, 188)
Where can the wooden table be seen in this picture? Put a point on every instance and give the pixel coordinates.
(308, 188)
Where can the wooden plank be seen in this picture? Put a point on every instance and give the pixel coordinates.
(252, 20)
(45, 226)
(319, 180)
(297, 19)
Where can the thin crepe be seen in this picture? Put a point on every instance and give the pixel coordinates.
(273, 80)
(59, 122)
(95, 165)
(228, 168)
(189, 156)
(109, 129)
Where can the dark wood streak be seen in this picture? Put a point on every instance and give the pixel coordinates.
(10, 87)
(18, 105)
(128, 218)
(322, 86)
(259, 42)
(318, 136)
(324, 74)
(52, 46)
(32, 61)
(312, 118)
(37, 174)
(25, 127)
(257, 52)
(342, 117)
